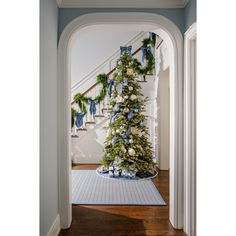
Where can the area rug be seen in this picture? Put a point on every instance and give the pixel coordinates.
(88, 188)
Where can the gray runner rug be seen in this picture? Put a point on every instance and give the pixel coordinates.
(88, 188)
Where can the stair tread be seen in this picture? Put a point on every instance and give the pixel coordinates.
(99, 115)
(90, 122)
(82, 129)
(142, 81)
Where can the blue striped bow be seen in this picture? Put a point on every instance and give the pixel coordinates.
(79, 119)
(151, 35)
(145, 51)
(92, 108)
(110, 84)
(113, 117)
(127, 50)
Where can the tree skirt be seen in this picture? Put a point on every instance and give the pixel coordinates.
(127, 177)
(88, 188)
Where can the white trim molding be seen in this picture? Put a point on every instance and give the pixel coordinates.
(122, 3)
(55, 227)
(135, 21)
(59, 3)
(190, 131)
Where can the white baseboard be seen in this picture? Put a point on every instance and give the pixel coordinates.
(55, 227)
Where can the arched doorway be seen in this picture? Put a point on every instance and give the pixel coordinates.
(169, 32)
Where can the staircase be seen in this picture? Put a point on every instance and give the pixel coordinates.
(88, 140)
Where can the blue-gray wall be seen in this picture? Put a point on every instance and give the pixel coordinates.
(183, 18)
(66, 15)
(190, 14)
(48, 115)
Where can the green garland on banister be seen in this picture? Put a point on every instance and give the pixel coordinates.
(102, 79)
(82, 100)
(150, 60)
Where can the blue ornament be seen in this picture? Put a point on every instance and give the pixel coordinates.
(125, 81)
(128, 132)
(126, 140)
(142, 122)
(130, 115)
(116, 107)
(114, 140)
(119, 89)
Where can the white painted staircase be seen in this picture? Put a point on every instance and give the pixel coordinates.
(87, 142)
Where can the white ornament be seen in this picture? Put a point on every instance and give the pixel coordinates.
(117, 131)
(119, 99)
(131, 141)
(126, 110)
(131, 152)
(123, 149)
(133, 97)
(126, 96)
(113, 132)
(130, 88)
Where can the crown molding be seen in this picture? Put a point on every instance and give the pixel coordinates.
(122, 3)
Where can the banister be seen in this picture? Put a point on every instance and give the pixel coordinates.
(111, 71)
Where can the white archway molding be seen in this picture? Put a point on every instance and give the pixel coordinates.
(169, 32)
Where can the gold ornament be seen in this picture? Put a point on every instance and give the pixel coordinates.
(134, 130)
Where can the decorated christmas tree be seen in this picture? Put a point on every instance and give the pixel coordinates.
(127, 148)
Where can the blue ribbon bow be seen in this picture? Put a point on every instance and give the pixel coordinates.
(110, 84)
(114, 140)
(151, 35)
(145, 51)
(113, 117)
(92, 108)
(79, 119)
(127, 50)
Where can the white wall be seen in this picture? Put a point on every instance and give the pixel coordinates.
(90, 49)
(162, 106)
(48, 115)
(164, 119)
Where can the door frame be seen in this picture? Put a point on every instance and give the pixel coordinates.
(190, 130)
(139, 21)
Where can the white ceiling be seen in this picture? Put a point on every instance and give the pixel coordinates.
(122, 3)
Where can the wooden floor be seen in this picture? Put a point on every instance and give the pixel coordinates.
(123, 220)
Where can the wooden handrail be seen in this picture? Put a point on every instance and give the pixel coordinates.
(110, 72)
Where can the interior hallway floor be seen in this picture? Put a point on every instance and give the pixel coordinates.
(97, 220)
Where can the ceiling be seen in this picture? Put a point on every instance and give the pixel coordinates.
(122, 3)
